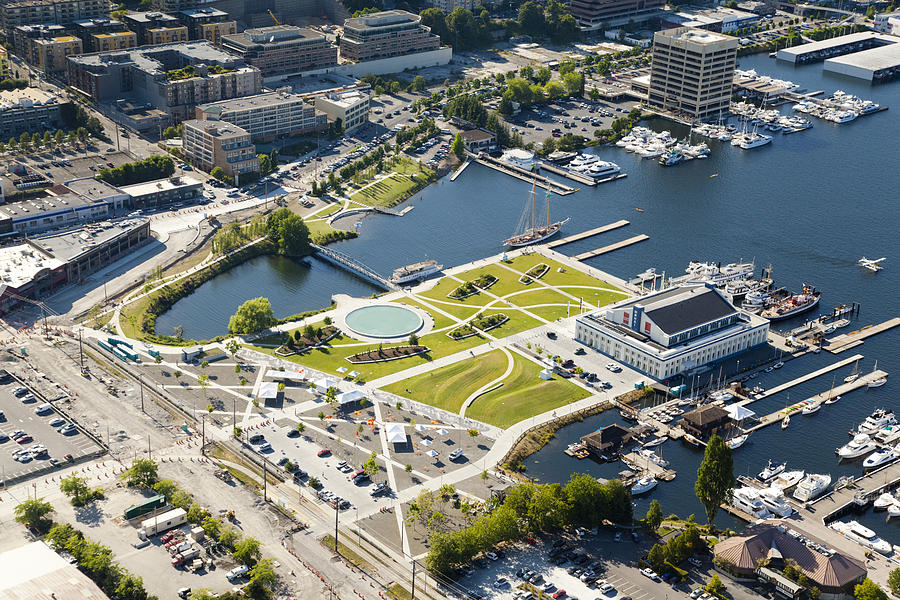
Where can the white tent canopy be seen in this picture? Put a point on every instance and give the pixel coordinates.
(442, 431)
(267, 390)
(546, 374)
(341, 369)
(420, 428)
(396, 433)
(322, 384)
(353, 374)
(738, 412)
(288, 375)
(432, 453)
(348, 397)
(426, 442)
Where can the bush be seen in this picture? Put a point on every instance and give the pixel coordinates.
(154, 167)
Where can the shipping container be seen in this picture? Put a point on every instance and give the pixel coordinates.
(144, 507)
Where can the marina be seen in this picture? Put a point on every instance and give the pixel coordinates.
(803, 379)
(612, 247)
(525, 175)
(588, 233)
(845, 341)
(641, 463)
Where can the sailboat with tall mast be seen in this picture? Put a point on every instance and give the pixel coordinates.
(537, 233)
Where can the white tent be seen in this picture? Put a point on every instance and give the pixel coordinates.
(348, 397)
(546, 374)
(353, 374)
(341, 369)
(287, 375)
(396, 433)
(426, 442)
(322, 384)
(738, 412)
(432, 453)
(442, 431)
(420, 428)
(267, 390)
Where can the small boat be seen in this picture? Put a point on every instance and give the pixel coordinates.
(737, 441)
(832, 399)
(829, 329)
(772, 470)
(879, 419)
(893, 510)
(639, 209)
(653, 457)
(854, 375)
(883, 501)
(811, 409)
(713, 175)
(841, 323)
(786, 421)
(654, 442)
(877, 382)
(643, 485)
(879, 457)
(788, 479)
(537, 232)
(778, 365)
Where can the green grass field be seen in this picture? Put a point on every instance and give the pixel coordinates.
(440, 321)
(540, 295)
(554, 277)
(449, 386)
(384, 193)
(523, 395)
(517, 323)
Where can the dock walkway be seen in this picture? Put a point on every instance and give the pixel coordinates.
(641, 463)
(460, 170)
(809, 376)
(846, 341)
(612, 247)
(588, 233)
(560, 189)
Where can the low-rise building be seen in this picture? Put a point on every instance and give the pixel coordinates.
(607, 441)
(162, 192)
(50, 54)
(479, 140)
(109, 42)
(719, 19)
(155, 27)
(31, 109)
(34, 568)
(671, 332)
(208, 24)
(211, 144)
(705, 421)
(386, 34)
(282, 49)
(351, 107)
(267, 116)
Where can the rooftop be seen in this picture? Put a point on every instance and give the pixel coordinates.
(149, 17)
(382, 19)
(874, 59)
(60, 39)
(71, 196)
(69, 244)
(250, 102)
(160, 185)
(25, 98)
(476, 135)
(346, 99)
(202, 13)
(149, 58)
(98, 22)
(862, 36)
(20, 264)
(706, 415)
(680, 308)
(33, 571)
(217, 128)
(274, 35)
(695, 36)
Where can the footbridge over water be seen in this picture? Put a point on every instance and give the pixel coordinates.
(351, 264)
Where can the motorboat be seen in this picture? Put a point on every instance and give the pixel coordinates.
(861, 444)
(754, 140)
(775, 503)
(877, 382)
(602, 169)
(785, 421)
(893, 510)
(812, 486)
(415, 272)
(737, 441)
(653, 457)
(772, 470)
(778, 365)
(747, 499)
(811, 409)
(788, 480)
(584, 159)
(654, 442)
(883, 501)
(832, 399)
(880, 457)
(879, 419)
(643, 485)
(887, 435)
(862, 535)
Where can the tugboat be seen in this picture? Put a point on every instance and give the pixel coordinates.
(793, 305)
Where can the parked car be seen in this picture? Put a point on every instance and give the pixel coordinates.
(649, 573)
(323, 452)
(237, 572)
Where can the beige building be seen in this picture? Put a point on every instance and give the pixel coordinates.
(351, 107)
(282, 49)
(120, 40)
(50, 55)
(386, 34)
(267, 116)
(4, 63)
(213, 32)
(692, 72)
(211, 144)
(166, 35)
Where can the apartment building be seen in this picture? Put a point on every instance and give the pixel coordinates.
(49, 54)
(87, 29)
(30, 110)
(107, 42)
(155, 28)
(207, 24)
(594, 13)
(692, 72)
(351, 107)
(267, 116)
(448, 6)
(211, 144)
(386, 34)
(4, 63)
(282, 49)
(61, 12)
(173, 78)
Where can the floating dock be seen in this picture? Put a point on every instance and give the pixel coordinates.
(588, 233)
(637, 462)
(861, 492)
(846, 341)
(612, 247)
(560, 189)
(809, 376)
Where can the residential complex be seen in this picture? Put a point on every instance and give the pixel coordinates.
(593, 13)
(671, 332)
(61, 12)
(692, 72)
(173, 78)
(282, 49)
(386, 34)
(351, 107)
(31, 109)
(49, 54)
(207, 24)
(154, 28)
(211, 144)
(267, 116)
(102, 34)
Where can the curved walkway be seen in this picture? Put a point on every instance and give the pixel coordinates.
(490, 385)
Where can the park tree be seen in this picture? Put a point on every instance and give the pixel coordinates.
(715, 585)
(33, 513)
(418, 83)
(142, 474)
(371, 465)
(869, 590)
(288, 231)
(543, 75)
(654, 516)
(894, 581)
(715, 477)
(247, 551)
(458, 147)
(77, 489)
(253, 315)
(657, 557)
(573, 82)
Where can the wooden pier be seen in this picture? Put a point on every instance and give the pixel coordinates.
(637, 462)
(809, 376)
(612, 247)
(588, 233)
(560, 189)
(846, 341)
(794, 409)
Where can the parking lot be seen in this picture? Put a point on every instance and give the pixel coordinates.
(62, 166)
(31, 442)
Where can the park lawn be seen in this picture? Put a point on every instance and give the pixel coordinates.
(441, 321)
(594, 296)
(570, 276)
(537, 296)
(507, 281)
(523, 395)
(552, 313)
(518, 322)
(447, 285)
(452, 307)
(449, 386)
(385, 192)
(318, 229)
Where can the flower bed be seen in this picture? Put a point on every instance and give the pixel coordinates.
(386, 354)
(301, 340)
(535, 272)
(470, 288)
(479, 324)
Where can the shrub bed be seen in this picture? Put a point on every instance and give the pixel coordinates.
(535, 272)
(470, 288)
(478, 324)
(305, 338)
(386, 354)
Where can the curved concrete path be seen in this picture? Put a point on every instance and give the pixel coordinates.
(489, 386)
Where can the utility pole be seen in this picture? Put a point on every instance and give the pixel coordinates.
(141, 382)
(81, 356)
(336, 510)
(265, 481)
(233, 413)
(413, 592)
(149, 451)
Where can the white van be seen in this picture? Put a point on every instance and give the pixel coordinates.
(237, 572)
(43, 409)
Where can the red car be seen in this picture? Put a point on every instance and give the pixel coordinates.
(109, 164)
(25, 439)
(324, 452)
(559, 594)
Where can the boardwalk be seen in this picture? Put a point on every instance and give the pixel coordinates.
(588, 233)
(809, 376)
(855, 338)
(612, 247)
(548, 184)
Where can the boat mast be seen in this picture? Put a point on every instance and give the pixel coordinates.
(548, 223)
(533, 183)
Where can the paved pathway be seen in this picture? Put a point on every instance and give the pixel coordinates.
(490, 385)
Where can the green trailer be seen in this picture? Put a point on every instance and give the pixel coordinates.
(148, 505)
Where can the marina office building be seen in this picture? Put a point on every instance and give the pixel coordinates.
(673, 331)
(692, 72)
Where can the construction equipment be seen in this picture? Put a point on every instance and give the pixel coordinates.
(271, 14)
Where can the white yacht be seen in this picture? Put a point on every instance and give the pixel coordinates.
(772, 470)
(601, 169)
(860, 444)
(811, 408)
(788, 479)
(862, 535)
(737, 441)
(747, 499)
(653, 457)
(583, 160)
(775, 502)
(643, 485)
(880, 457)
(883, 501)
(887, 435)
(755, 140)
(812, 486)
(877, 420)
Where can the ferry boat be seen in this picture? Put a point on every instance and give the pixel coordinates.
(536, 233)
(772, 470)
(415, 272)
(812, 486)
(861, 444)
(788, 480)
(793, 305)
(643, 485)
(747, 500)
(880, 457)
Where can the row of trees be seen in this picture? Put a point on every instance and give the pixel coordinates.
(235, 234)
(13, 84)
(268, 163)
(551, 20)
(472, 109)
(461, 29)
(32, 141)
(153, 167)
(676, 550)
(532, 508)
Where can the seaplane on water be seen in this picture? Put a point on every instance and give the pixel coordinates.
(870, 264)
